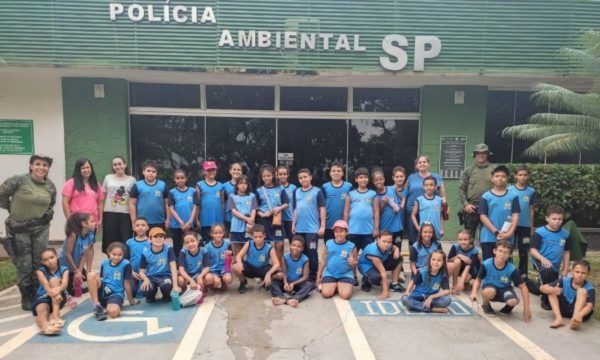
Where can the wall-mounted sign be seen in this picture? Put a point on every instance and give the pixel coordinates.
(452, 156)
(16, 137)
(393, 45)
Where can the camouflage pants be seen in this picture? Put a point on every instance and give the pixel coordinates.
(27, 247)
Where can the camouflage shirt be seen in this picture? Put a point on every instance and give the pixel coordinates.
(474, 182)
(26, 199)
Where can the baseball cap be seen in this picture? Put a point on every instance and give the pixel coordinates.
(209, 165)
(340, 224)
(481, 148)
(45, 158)
(156, 231)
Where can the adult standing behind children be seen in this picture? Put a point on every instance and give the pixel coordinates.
(81, 193)
(475, 181)
(116, 223)
(415, 189)
(29, 199)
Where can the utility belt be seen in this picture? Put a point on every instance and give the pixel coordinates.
(17, 227)
(468, 220)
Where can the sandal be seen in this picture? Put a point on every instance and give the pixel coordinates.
(58, 322)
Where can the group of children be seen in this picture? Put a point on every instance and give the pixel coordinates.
(362, 229)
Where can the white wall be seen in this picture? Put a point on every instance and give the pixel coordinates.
(35, 96)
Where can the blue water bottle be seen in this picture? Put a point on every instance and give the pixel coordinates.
(175, 303)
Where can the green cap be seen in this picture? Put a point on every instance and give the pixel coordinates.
(482, 148)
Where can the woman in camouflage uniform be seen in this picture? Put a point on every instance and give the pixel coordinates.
(29, 199)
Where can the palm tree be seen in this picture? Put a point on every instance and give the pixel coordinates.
(576, 129)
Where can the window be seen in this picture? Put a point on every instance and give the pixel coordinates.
(240, 97)
(314, 99)
(386, 100)
(164, 95)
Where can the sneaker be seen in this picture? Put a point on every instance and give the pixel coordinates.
(100, 313)
(546, 306)
(243, 288)
(506, 310)
(366, 285)
(71, 302)
(487, 309)
(150, 299)
(397, 287)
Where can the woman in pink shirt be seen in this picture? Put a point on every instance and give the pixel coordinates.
(81, 193)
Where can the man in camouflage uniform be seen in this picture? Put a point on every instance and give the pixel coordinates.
(475, 181)
(29, 199)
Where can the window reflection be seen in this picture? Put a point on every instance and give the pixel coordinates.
(382, 143)
(165, 95)
(314, 99)
(386, 100)
(314, 143)
(240, 97)
(249, 141)
(171, 141)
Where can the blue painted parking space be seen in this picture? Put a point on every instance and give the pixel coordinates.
(143, 323)
(396, 308)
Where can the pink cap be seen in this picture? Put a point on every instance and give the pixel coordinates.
(209, 165)
(340, 224)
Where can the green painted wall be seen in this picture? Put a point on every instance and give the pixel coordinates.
(95, 128)
(478, 36)
(440, 116)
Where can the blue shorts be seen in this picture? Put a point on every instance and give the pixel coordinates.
(238, 237)
(106, 298)
(331, 280)
(503, 294)
(46, 300)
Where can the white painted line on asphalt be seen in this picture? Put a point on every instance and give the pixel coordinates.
(16, 317)
(29, 332)
(535, 351)
(10, 307)
(7, 290)
(195, 330)
(10, 332)
(10, 297)
(356, 337)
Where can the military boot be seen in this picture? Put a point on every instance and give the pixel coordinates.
(26, 297)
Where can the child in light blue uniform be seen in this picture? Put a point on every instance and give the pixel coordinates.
(108, 288)
(193, 263)
(295, 285)
(572, 296)
(51, 293)
(283, 173)
(235, 171)
(219, 257)
(135, 248)
(422, 249)
(463, 261)
(376, 259)
(211, 200)
(335, 192)
(149, 198)
(362, 211)
(158, 268)
(272, 200)
(78, 249)
(183, 209)
(257, 259)
(242, 205)
(527, 203)
(496, 275)
(338, 264)
(427, 208)
(429, 289)
(309, 218)
(498, 211)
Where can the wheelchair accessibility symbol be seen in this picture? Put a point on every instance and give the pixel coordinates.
(131, 316)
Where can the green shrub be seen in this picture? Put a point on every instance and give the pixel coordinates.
(574, 187)
(8, 274)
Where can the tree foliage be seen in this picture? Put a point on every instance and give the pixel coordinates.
(573, 125)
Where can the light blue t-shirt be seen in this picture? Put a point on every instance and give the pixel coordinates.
(150, 200)
(277, 197)
(335, 201)
(308, 204)
(211, 204)
(430, 212)
(372, 250)
(183, 203)
(361, 220)
(295, 268)
(82, 243)
(135, 249)
(527, 197)
(229, 189)
(244, 204)
(388, 219)
(288, 214)
(337, 265)
(498, 209)
(415, 188)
